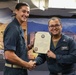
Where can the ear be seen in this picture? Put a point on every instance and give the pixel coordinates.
(61, 27)
(15, 11)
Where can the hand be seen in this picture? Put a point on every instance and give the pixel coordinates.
(51, 54)
(32, 65)
(30, 46)
(31, 54)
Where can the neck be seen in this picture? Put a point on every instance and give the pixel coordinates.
(56, 36)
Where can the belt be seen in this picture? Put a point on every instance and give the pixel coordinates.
(13, 66)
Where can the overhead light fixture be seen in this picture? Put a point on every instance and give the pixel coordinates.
(41, 4)
(18, 1)
(72, 12)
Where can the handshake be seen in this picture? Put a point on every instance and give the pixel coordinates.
(31, 65)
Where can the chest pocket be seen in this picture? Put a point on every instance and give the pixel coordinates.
(64, 50)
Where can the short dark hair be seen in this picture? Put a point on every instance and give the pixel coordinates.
(54, 18)
(19, 5)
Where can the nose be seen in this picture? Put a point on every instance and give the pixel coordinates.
(54, 27)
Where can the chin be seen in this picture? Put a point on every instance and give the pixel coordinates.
(24, 20)
(55, 34)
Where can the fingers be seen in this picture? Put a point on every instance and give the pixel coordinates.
(30, 46)
(51, 54)
(32, 64)
(48, 51)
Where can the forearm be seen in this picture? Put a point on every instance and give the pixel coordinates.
(68, 59)
(13, 58)
(40, 59)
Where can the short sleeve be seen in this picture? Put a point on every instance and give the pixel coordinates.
(10, 38)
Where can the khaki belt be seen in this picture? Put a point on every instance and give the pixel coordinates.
(13, 66)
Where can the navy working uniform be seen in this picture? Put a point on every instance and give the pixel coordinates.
(65, 51)
(14, 40)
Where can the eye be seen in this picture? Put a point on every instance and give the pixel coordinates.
(24, 11)
(57, 24)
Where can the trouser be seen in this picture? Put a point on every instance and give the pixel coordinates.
(56, 74)
(14, 71)
(71, 73)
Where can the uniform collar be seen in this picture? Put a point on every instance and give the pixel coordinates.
(16, 21)
(62, 39)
